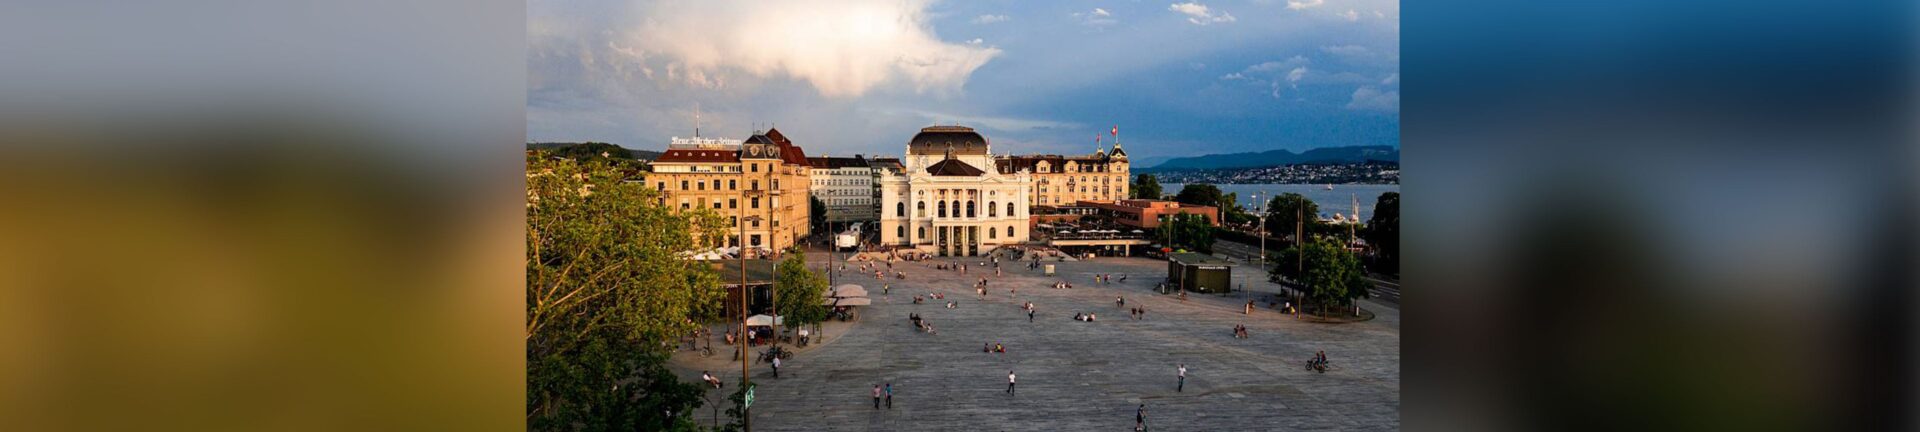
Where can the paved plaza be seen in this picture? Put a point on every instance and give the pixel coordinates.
(1073, 375)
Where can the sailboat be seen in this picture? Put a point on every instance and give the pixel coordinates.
(1329, 186)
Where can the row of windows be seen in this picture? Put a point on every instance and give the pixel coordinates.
(732, 203)
(992, 232)
(1076, 168)
(920, 209)
(840, 182)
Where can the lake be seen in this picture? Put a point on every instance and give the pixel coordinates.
(1340, 199)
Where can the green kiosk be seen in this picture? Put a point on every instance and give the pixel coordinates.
(1199, 273)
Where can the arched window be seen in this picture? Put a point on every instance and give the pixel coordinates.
(956, 208)
(969, 208)
(943, 209)
(993, 210)
(991, 232)
(920, 209)
(1009, 231)
(900, 209)
(903, 230)
(1010, 210)
(922, 232)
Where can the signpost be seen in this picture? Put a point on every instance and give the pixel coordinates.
(749, 399)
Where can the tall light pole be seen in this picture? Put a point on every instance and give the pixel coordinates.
(1262, 208)
(746, 382)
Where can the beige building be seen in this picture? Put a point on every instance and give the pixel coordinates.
(1064, 180)
(764, 177)
(846, 186)
(947, 197)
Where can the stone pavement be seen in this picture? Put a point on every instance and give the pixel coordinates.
(1077, 375)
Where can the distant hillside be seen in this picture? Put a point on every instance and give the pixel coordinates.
(1355, 154)
(594, 148)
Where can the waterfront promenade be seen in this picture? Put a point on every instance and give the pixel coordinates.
(1073, 375)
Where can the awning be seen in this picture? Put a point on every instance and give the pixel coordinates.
(857, 301)
(848, 290)
(763, 320)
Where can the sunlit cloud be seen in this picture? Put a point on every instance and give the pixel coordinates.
(841, 48)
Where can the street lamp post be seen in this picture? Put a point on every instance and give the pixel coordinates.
(1262, 228)
(746, 417)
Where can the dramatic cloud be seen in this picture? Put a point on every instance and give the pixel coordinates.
(1303, 4)
(841, 48)
(1373, 99)
(1199, 14)
(990, 19)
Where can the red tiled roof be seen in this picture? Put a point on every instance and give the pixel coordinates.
(793, 155)
(696, 155)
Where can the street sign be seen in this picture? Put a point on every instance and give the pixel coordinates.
(749, 400)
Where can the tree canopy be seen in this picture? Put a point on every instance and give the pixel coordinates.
(606, 291)
(800, 290)
(1186, 231)
(1383, 231)
(1332, 275)
(1146, 186)
(1284, 210)
(1200, 194)
(817, 215)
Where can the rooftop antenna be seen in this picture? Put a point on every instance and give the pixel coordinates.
(696, 119)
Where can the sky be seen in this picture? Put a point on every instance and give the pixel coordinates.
(844, 77)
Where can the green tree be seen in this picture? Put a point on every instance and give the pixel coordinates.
(606, 294)
(1383, 231)
(817, 215)
(1332, 275)
(1230, 210)
(1187, 231)
(1146, 186)
(1200, 194)
(1284, 210)
(592, 150)
(800, 290)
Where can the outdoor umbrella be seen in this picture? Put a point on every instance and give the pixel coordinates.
(854, 302)
(849, 290)
(763, 320)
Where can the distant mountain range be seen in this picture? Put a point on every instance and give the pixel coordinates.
(1354, 154)
(593, 147)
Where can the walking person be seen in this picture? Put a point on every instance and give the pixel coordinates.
(889, 395)
(1140, 418)
(1009, 382)
(1183, 379)
(776, 366)
(1029, 315)
(876, 396)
